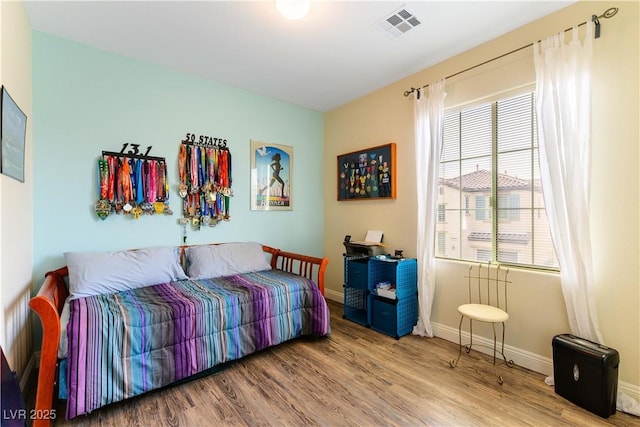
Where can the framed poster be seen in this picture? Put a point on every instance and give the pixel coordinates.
(368, 174)
(271, 176)
(12, 134)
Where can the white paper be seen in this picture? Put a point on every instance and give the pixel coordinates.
(374, 236)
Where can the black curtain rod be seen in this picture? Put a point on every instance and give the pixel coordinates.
(609, 13)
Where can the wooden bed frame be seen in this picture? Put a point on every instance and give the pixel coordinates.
(49, 301)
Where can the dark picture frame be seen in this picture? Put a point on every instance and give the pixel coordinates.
(367, 174)
(13, 125)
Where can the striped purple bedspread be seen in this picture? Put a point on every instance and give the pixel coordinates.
(124, 344)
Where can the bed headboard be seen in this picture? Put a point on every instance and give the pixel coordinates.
(312, 268)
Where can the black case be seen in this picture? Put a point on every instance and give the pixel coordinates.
(586, 373)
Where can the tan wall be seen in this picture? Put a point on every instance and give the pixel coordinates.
(16, 198)
(536, 302)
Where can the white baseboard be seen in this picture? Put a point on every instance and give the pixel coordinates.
(32, 366)
(631, 390)
(334, 296)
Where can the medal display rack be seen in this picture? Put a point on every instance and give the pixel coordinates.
(132, 184)
(205, 183)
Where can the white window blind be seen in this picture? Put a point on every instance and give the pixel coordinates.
(490, 185)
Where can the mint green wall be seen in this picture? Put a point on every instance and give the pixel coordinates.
(86, 101)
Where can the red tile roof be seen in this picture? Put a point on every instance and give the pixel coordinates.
(480, 180)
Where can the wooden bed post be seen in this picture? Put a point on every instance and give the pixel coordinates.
(48, 305)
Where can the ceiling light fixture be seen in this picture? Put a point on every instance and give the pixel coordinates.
(293, 9)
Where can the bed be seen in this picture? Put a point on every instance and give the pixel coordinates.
(117, 325)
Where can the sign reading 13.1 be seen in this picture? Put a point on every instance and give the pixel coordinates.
(134, 149)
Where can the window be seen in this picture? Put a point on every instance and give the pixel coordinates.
(483, 255)
(489, 171)
(482, 213)
(441, 213)
(441, 244)
(509, 206)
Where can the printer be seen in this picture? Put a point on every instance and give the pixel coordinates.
(364, 248)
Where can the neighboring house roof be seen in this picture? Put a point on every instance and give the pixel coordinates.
(480, 180)
(482, 236)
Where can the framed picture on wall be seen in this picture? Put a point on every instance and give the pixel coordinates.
(368, 174)
(271, 176)
(13, 125)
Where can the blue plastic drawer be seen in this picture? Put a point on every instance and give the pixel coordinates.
(394, 317)
(384, 316)
(357, 274)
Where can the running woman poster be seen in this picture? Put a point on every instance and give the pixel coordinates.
(271, 173)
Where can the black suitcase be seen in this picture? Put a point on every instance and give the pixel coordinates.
(586, 373)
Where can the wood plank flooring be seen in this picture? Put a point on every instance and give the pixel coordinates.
(356, 377)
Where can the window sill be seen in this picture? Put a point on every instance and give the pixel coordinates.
(512, 267)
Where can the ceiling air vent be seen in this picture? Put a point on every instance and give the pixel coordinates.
(399, 22)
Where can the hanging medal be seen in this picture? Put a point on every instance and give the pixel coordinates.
(118, 186)
(210, 195)
(202, 158)
(158, 204)
(138, 189)
(228, 192)
(139, 184)
(194, 169)
(152, 188)
(111, 195)
(125, 172)
(102, 208)
(182, 169)
(103, 172)
(165, 181)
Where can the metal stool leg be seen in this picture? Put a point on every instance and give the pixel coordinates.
(495, 368)
(454, 362)
(468, 347)
(509, 362)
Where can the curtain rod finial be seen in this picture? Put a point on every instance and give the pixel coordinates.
(609, 13)
(409, 92)
(596, 21)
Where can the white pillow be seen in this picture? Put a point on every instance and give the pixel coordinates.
(95, 273)
(227, 259)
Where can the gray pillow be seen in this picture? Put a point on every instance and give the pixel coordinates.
(95, 273)
(226, 259)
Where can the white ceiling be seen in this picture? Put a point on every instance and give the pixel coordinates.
(334, 55)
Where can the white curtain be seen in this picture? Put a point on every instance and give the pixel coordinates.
(429, 122)
(563, 108)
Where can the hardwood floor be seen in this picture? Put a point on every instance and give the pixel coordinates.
(356, 377)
